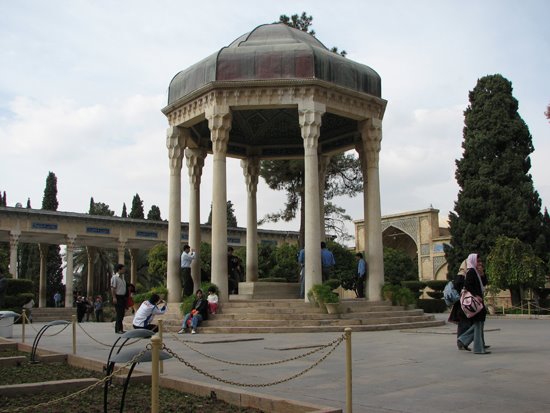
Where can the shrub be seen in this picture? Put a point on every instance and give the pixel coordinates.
(437, 285)
(333, 283)
(431, 306)
(415, 287)
(404, 296)
(18, 286)
(389, 292)
(435, 294)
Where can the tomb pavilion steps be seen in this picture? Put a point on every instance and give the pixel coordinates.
(296, 316)
(46, 314)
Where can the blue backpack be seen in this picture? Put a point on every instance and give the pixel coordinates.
(450, 295)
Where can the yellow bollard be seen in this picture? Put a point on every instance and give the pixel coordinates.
(529, 308)
(161, 328)
(23, 323)
(155, 357)
(74, 333)
(349, 398)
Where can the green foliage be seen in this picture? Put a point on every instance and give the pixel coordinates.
(4, 257)
(415, 287)
(161, 290)
(231, 218)
(398, 266)
(49, 201)
(405, 297)
(333, 283)
(513, 265)
(436, 285)
(286, 266)
(157, 258)
(206, 261)
(100, 208)
(187, 304)
(431, 306)
(389, 292)
(496, 196)
(345, 269)
(154, 214)
(124, 213)
(137, 211)
(437, 295)
(266, 260)
(19, 286)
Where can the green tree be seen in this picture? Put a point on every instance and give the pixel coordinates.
(54, 263)
(3, 199)
(154, 213)
(99, 208)
(513, 265)
(124, 212)
(398, 266)
(231, 218)
(343, 178)
(496, 195)
(286, 263)
(137, 211)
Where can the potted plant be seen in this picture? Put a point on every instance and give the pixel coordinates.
(332, 302)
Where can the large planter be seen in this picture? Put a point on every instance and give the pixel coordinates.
(333, 308)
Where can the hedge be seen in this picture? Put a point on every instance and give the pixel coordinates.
(431, 305)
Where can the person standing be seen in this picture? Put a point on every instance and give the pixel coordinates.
(302, 262)
(327, 261)
(118, 292)
(187, 257)
(474, 284)
(234, 269)
(457, 315)
(361, 275)
(98, 309)
(57, 299)
(3, 288)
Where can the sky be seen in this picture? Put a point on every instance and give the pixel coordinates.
(82, 84)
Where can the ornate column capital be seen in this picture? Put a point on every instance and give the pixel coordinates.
(251, 171)
(70, 240)
(195, 162)
(309, 116)
(14, 239)
(176, 141)
(219, 122)
(371, 136)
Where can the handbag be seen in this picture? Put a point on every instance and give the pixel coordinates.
(471, 304)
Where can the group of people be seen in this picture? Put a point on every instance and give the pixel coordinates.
(86, 306)
(471, 277)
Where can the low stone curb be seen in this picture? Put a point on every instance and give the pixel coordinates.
(48, 386)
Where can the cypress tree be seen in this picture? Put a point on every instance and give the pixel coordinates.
(496, 195)
(154, 213)
(137, 208)
(124, 212)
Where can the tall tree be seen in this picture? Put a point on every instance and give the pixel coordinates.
(547, 113)
(3, 201)
(124, 211)
(54, 263)
(496, 195)
(137, 211)
(154, 213)
(231, 218)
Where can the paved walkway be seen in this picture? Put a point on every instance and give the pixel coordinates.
(394, 371)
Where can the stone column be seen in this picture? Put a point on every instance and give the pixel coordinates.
(90, 280)
(219, 122)
(324, 160)
(133, 265)
(69, 271)
(195, 163)
(310, 123)
(371, 136)
(251, 170)
(43, 249)
(121, 249)
(14, 243)
(176, 140)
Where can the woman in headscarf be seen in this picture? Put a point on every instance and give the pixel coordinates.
(475, 285)
(457, 315)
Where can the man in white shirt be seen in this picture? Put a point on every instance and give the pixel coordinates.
(147, 311)
(118, 292)
(187, 257)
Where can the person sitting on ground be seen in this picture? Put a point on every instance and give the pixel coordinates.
(212, 300)
(199, 312)
(147, 311)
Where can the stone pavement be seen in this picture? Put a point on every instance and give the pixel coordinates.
(394, 371)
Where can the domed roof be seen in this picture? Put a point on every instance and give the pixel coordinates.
(275, 51)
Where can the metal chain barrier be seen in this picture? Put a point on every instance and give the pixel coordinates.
(266, 363)
(104, 344)
(81, 391)
(15, 320)
(335, 345)
(29, 323)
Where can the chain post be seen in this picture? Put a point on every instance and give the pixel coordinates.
(23, 324)
(529, 308)
(155, 356)
(74, 333)
(161, 329)
(349, 398)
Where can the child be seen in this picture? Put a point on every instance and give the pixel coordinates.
(212, 300)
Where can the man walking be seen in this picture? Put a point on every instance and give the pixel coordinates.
(187, 257)
(361, 275)
(118, 291)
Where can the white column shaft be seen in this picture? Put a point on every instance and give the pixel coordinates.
(133, 265)
(43, 249)
(69, 272)
(90, 280)
(251, 170)
(14, 265)
(175, 142)
(310, 123)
